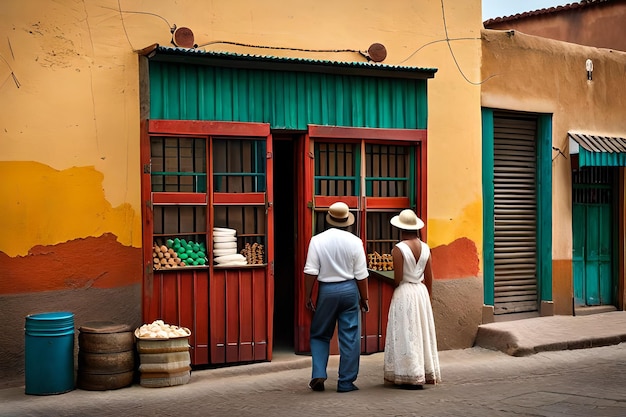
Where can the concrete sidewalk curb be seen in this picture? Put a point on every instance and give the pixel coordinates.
(543, 334)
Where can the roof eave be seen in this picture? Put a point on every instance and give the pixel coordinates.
(231, 60)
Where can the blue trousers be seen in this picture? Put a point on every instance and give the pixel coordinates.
(337, 303)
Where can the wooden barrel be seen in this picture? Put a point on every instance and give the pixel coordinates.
(106, 356)
(164, 363)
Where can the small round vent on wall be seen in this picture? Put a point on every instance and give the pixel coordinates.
(377, 52)
(183, 37)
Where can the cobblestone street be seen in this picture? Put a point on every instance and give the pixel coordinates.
(477, 382)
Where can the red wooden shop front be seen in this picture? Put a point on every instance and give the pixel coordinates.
(198, 176)
(378, 173)
(201, 175)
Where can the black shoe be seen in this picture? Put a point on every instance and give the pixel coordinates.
(352, 387)
(317, 384)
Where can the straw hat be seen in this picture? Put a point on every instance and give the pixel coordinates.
(339, 215)
(407, 220)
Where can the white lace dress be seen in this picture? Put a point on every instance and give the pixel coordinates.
(411, 356)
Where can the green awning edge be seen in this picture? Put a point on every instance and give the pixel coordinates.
(601, 159)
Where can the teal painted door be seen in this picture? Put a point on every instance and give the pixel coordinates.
(592, 235)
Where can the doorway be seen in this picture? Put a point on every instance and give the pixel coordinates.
(592, 232)
(515, 213)
(284, 241)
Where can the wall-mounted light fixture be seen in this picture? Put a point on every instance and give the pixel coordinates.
(589, 66)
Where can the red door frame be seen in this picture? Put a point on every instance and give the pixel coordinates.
(308, 201)
(194, 311)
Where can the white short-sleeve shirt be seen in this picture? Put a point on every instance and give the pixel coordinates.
(336, 255)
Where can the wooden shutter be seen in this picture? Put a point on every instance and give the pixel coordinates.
(515, 213)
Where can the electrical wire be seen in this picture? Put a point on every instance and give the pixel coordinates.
(276, 47)
(173, 28)
(560, 153)
(15, 80)
(433, 42)
(119, 9)
(447, 39)
(121, 12)
(445, 27)
(11, 48)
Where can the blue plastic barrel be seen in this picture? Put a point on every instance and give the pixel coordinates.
(49, 356)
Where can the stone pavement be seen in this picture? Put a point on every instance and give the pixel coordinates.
(517, 338)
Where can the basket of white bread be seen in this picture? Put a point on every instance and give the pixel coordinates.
(159, 330)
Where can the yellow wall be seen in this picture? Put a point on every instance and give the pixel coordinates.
(71, 123)
(70, 211)
(77, 104)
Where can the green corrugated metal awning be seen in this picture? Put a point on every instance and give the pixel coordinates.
(599, 150)
(287, 93)
(234, 60)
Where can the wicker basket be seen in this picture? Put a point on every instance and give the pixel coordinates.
(164, 362)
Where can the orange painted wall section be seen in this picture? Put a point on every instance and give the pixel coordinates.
(94, 262)
(562, 286)
(60, 232)
(459, 259)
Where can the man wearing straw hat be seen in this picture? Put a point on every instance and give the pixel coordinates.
(336, 260)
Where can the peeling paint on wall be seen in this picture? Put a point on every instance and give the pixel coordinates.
(44, 206)
(468, 223)
(459, 259)
(100, 262)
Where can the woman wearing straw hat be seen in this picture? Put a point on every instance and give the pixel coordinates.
(411, 359)
(336, 260)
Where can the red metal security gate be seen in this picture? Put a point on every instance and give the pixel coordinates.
(198, 176)
(377, 172)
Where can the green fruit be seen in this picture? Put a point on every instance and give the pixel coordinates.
(183, 256)
(169, 243)
(193, 255)
(176, 246)
(201, 254)
(201, 261)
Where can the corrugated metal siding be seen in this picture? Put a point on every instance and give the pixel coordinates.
(601, 159)
(597, 150)
(515, 214)
(285, 99)
(596, 143)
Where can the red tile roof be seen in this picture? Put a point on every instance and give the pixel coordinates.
(569, 6)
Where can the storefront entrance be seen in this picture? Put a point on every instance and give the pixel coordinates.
(260, 148)
(285, 240)
(593, 235)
